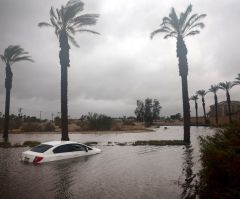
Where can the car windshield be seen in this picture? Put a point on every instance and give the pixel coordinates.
(41, 148)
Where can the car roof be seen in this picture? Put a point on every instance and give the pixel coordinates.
(56, 143)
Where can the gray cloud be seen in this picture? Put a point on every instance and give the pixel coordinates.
(109, 72)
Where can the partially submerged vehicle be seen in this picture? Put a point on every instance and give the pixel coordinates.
(57, 150)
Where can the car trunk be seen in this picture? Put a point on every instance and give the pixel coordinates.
(30, 156)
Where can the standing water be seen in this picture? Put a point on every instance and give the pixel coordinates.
(119, 172)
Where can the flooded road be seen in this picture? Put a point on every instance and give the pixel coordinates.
(119, 172)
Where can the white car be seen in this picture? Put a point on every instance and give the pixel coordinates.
(57, 150)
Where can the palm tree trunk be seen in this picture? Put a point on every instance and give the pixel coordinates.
(64, 61)
(229, 106)
(216, 108)
(8, 86)
(204, 110)
(183, 72)
(196, 109)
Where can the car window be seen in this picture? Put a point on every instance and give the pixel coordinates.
(41, 148)
(62, 149)
(78, 147)
(69, 148)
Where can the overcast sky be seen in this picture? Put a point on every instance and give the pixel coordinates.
(108, 73)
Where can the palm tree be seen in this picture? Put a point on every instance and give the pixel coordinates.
(214, 89)
(179, 28)
(195, 98)
(12, 54)
(227, 86)
(202, 93)
(66, 22)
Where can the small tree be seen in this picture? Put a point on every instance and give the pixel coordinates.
(139, 111)
(156, 109)
(148, 116)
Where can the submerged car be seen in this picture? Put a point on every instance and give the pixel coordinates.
(57, 150)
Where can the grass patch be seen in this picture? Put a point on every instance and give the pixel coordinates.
(17, 145)
(159, 142)
(5, 144)
(121, 143)
(91, 143)
(31, 143)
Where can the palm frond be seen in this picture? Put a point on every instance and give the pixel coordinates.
(191, 33)
(86, 30)
(42, 24)
(72, 8)
(23, 58)
(85, 20)
(3, 59)
(73, 41)
(174, 18)
(183, 16)
(52, 13)
(238, 77)
(195, 18)
(171, 34)
(160, 30)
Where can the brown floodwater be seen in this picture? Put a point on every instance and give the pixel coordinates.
(119, 172)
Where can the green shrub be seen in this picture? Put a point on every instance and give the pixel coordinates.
(90, 143)
(99, 122)
(159, 142)
(31, 143)
(220, 156)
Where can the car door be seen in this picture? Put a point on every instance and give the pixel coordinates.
(69, 151)
(78, 150)
(62, 152)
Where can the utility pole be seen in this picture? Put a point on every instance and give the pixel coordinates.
(52, 117)
(40, 116)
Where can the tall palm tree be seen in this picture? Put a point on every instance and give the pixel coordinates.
(226, 86)
(66, 21)
(195, 98)
(12, 54)
(214, 89)
(179, 28)
(202, 93)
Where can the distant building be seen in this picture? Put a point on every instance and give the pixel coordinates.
(223, 112)
(223, 109)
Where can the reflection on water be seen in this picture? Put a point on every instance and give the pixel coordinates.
(118, 172)
(189, 181)
(64, 172)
